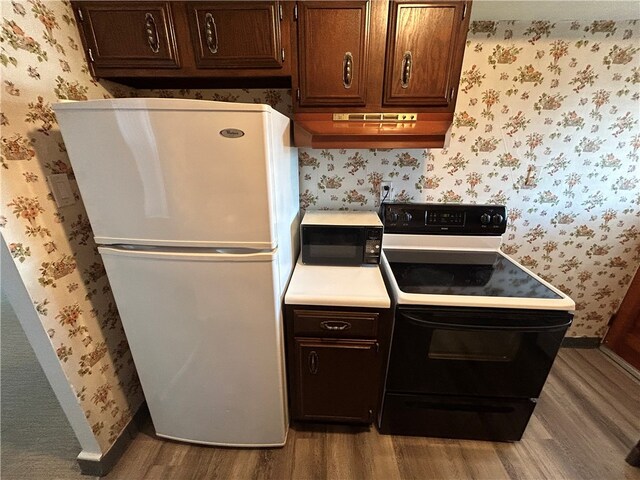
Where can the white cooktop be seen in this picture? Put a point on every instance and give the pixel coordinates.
(451, 244)
(337, 286)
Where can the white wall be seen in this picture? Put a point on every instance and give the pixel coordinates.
(555, 10)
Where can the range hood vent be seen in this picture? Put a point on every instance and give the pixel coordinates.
(372, 130)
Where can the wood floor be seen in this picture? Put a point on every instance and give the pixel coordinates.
(586, 422)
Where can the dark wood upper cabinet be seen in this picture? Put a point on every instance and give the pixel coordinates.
(333, 44)
(423, 51)
(129, 34)
(402, 53)
(236, 34)
(343, 55)
(414, 53)
(174, 44)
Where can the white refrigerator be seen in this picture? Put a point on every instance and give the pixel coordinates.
(194, 207)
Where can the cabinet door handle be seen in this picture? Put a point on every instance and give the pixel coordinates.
(335, 325)
(152, 33)
(347, 70)
(211, 33)
(407, 62)
(313, 362)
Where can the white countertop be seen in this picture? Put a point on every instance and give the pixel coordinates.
(337, 286)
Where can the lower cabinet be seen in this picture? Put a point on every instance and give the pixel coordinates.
(336, 380)
(335, 363)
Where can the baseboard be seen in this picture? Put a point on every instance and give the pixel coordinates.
(581, 342)
(100, 465)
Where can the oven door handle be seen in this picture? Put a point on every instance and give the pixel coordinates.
(476, 326)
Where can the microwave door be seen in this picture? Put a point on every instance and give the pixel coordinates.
(333, 245)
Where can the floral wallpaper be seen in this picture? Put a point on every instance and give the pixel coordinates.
(547, 124)
(42, 63)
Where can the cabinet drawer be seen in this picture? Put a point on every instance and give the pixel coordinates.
(335, 324)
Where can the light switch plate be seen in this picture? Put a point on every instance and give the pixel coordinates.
(61, 189)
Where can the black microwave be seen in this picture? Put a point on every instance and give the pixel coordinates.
(341, 238)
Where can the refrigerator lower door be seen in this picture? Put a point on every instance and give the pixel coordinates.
(205, 331)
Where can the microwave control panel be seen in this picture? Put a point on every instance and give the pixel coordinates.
(373, 245)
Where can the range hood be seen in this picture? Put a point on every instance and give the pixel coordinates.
(372, 130)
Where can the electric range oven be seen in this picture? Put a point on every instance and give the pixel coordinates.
(475, 334)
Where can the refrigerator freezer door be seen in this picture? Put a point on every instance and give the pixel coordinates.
(173, 172)
(205, 331)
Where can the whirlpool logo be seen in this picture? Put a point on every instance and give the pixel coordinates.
(232, 133)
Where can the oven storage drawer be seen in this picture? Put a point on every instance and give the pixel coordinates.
(314, 323)
(456, 417)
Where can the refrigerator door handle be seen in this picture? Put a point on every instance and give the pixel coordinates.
(239, 251)
(176, 253)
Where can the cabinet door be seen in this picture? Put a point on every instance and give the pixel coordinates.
(425, 44)
(335, 380)
(333, 41)
(236, 34)
(128, 34)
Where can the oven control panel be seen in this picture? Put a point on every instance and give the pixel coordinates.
(444, 219)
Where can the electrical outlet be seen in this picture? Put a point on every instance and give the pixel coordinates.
(386, 191)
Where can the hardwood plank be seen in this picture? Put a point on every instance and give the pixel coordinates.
(381, 455)
(586, 421)
(309, 452)
(139, 457)
(482, 460)
(420, 457)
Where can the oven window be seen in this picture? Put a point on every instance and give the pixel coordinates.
(486, 346)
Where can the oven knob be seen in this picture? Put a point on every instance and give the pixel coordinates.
(392, 217)
(497, 219)
(406, 216)
(485, 219)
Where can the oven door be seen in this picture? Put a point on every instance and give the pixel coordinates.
(333, 245)
(488, 352)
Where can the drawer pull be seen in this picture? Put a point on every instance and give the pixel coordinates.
(152, 33)
(211, 33)
(313, 362)
(335, 325)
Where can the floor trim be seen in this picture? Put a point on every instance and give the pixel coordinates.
(581, 342)
(621, 362)
(91, 464)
